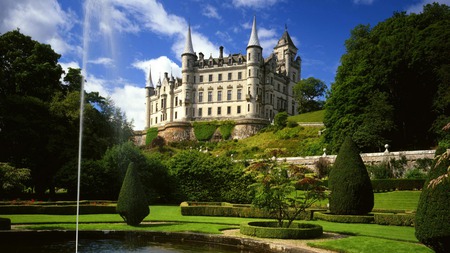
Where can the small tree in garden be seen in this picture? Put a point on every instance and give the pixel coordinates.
(349, 182)
(132, 204)
(276, 189)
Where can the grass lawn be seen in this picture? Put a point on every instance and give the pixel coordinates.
(316, 116)
(363, 237)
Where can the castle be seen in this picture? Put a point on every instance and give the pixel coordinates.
(247, 89)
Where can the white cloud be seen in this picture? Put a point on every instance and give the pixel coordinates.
(257, 4)
(210, 12)
(367, 2)
(103, 61)
(44, 21)
(159, 66)
(131, 99)
(418, 8)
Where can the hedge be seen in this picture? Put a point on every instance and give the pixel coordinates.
(402, 219)
(344, 218)
(226, 128)
(5, 224)
(397, 184)
(204, 130)
(225, 209)
(62, 209)
(271, 230)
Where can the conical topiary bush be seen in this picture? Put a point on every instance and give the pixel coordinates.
(433, 211)
(349, 182)
(132, 203)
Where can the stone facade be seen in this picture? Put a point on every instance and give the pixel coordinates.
(244, 88)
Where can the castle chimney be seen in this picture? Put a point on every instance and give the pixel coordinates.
(221, 52)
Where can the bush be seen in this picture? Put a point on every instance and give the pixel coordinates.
(322, 167)
(380, 185)
(158, 142)
(152, 132)
(432, 217)
(415, 174)
(349, 183)
(132, 204)
(379, 171)
(280, 120)
(292, 124)
(403, 219)
(272, 230)
(204, 131)
(226, 128)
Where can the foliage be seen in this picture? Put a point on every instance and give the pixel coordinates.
(344, 218)
(322, 167)
(204, 130)
(391, 219)
(12, 180)
(379, 171)
(291, 124)
(415, 174)
(275, 189)
(432, 223)
(280, 120)
(132, 204)
(202, 177)
(158, 142)
(391, 75)
(349, 183)
(273, 230)
(152, 133)
(226, 129)
(307, 92)
(397, 184)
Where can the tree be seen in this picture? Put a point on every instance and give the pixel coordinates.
(12, 180)
(391, 75)
(349, 182)
(276, 189)
(132, 204)
(432, 223)
(307, 93)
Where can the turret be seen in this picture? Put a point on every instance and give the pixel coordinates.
(150, 91)
(286, 51)
(188, 59)
(254, 56)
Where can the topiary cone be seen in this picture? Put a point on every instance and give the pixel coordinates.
(349, 182)
(132, 203)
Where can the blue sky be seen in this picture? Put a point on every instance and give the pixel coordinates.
(121, 39)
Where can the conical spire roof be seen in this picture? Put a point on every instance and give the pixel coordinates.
(149, 80)
(188, 48)
(254, 41)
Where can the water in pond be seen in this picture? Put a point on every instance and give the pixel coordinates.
(114, 246)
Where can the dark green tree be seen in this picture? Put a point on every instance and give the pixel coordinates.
(132, 204)
(308, 93)
(391, 75)
(280, 120)
(349, 182)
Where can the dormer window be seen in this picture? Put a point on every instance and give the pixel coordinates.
(210, 63)
(240, 60)
(230, 61)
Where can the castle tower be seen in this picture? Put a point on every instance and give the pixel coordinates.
(150, 91)
(188, 59)
(286, 52)
(254, 58)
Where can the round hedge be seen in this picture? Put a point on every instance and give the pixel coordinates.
(271, 230)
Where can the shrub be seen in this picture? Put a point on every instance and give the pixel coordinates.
(280, 120)
(292, 124)
(132, 204)
(432, 217)
(344, 218)
(400, 184)
(415, 174)
(322, 167)
(5, 224)
(403, 219)
(204, 131)
(272, 230)
(152, 132)
(158, 142)
(349, 183)
(226, 128)
(379, 171)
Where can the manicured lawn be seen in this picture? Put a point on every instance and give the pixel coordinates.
(316, 116)
(363, 237)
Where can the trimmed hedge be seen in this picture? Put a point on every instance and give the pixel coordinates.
(271, 230)
(226, 128)
(58, 210)
(225, 209)
(380, 185)
(402, 219)
(344, 218)
(5, 224)
(204, 131)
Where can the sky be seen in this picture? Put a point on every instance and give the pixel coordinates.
(116, 42)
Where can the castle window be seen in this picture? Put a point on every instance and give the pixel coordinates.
(210, 78)
(219, 95)
(219, 78)
(210, 63)
(228, 95)
(201, 79)
(156, 107)
(259, 56)
(156, 120)
(209, 96)
(176, 101)
(239, 75)
(228, 109)
(194, 79)
(248, 107)
(200, 96)
(229, 61)
(176, 114)
(187, 78)
(239, 94)
(278, 86)
(238, 109)
(249, 56)
(219, 110)
(249, 73)
(209, 111)
(199, 112)
(240, 61)
(193, 97)
(284, 88)
(229, 76)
